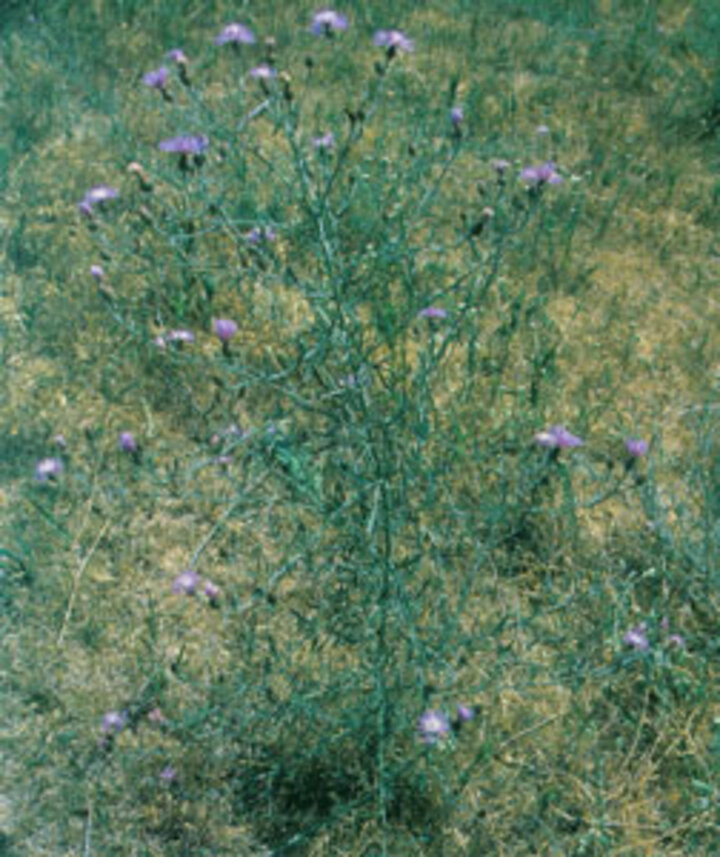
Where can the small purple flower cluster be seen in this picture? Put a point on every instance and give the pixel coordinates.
(156, 79)
(178, 337)
(225, 329)
(324, 142)
(185, 145)
(261, 235)
(188, 582)
(558, 437)
(97, 195)
(235, 34)
(637, 637)
(326, 22)
(127, 442)
(394, 41)
(263, 72)
(432, 312)
(113, 722)
(49, 469)
(541, 174)
(434, 725)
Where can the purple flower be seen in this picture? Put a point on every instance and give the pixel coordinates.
(156, 79)
(263, 72)
(212, 592)
(96, 195)
(48, 468)
(541, 175)
(185, 145)
(500, 165)
(225, 329)
(186, 583)
(168, 774)
(557, 437)
(156, 716)
(177, 55)
(433, 726)
(636, 447)
(636, 638)
(326, 21)
(432, 312)
(180, 336)
(100, 193)
(326, 141)
(676, 640)
(96, 272)
(127, 442)
(393, 40)
(237, 34)
(465, 713)
(258, 235)
(113, 722)
(456, 117)
(61, 441)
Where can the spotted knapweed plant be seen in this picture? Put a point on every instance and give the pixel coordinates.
(330, 318)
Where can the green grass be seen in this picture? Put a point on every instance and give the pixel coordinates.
(362, 483)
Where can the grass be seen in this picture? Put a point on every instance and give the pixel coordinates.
(363, 483)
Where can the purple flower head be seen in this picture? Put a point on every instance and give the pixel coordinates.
(465, 713)
(96, 195)
(500, 165)
(237, 34)
(180, 336)
(432, 312)
(557, 437)
(456, 117)
(185, 145)
(156, 716)
(326, 141)
(96, 272)
(113, 722)
(48, 468)
(637, 639)
(225, 329)
(636, 447)
(168, 774)
(677, 640)
(61, 441)
(177, 55)
(156, 79)
(127, 442)
(259, 235)
(394, 41)
(541, 175)
(186, 583)
(326, 21)
(433, 726)
(212, 592)
(263, 72)
(100, 193)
